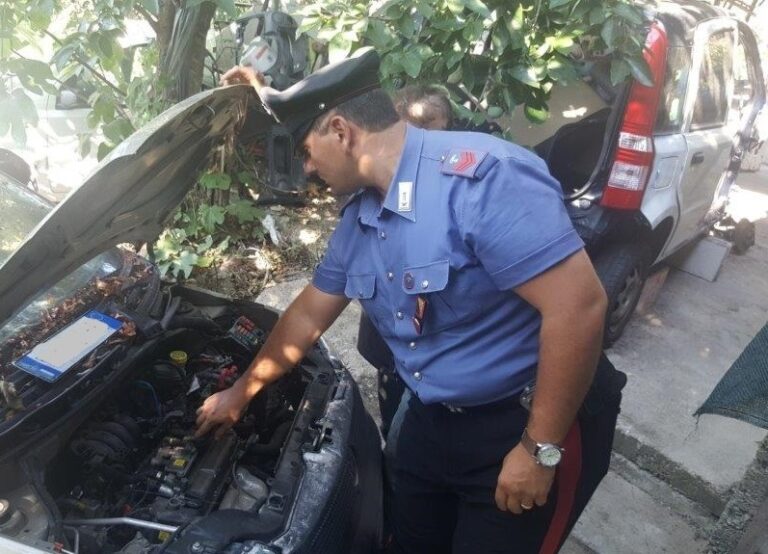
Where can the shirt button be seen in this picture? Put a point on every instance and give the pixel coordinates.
(412, 345)
(399, 315)
(424, 284)
(417, 376)
(382, 235)
(390, 275)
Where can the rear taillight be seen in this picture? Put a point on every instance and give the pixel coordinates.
(634, 150)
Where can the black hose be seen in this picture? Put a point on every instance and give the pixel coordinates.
(195, 322)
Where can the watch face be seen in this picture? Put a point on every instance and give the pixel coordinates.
(549, 455)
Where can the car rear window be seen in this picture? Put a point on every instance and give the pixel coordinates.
(711, 106)
(670, 117)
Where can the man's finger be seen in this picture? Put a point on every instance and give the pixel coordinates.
(203, 429)
(541, 499)
(513, 504)
(501, 499)
(221, 431)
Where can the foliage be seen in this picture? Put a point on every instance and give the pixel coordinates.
(98, 51)
(205, 219)
(502, 54)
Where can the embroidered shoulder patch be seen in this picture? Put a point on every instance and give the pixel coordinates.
(462, 162)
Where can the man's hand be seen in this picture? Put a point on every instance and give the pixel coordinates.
(522, 483)
(221, 411)
(240, 75)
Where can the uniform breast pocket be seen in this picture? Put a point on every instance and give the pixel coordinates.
(431, 282)
(362, 287)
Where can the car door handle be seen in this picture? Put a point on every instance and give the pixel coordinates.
(697, 158)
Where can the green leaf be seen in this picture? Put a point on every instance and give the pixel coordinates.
(379, 35)
(628, 13)
(103, 149)
(495, 112)
(478, 7)
(185, 263)
(244, 211)
(455, 77)
(215, 181)
(411, 62)
(526, 75)
(554, 4)
(117, 130)
(536, 115)
(455, 6)
(211, 217)
(596, 15)
(620, 70)
(608, 32)
(40, 13)
(202, 247)
(25, 106)
(640, 70)
(338, 48)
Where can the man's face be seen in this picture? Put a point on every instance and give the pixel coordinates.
(327, 159)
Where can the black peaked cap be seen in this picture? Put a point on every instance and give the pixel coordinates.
(298, 106)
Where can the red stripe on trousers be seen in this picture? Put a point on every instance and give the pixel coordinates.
(567, 479)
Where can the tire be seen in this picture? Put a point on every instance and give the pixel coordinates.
(622, 269)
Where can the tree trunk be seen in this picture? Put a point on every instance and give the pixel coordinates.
(181, 65)
(165, 19)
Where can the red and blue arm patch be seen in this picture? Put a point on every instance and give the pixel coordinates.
(464, 163)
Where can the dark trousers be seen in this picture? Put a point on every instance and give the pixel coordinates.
(442, 468)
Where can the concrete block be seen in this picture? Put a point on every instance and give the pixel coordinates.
(703, 259)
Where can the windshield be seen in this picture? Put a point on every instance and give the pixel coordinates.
(102, 266)
(20, 211)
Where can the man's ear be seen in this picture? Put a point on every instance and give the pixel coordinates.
(342, 130)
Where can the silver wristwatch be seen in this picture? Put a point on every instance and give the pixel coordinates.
(545, 453)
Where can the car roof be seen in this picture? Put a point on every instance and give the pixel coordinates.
(681, 18)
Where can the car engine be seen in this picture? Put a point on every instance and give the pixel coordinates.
(138, 458)
(130, 473)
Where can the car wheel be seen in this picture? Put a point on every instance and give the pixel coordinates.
(622, 269)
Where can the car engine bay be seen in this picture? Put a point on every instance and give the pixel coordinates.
(119, 469)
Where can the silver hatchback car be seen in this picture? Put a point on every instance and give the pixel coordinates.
(647, 170)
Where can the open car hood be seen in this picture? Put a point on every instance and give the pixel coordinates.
(128, 196)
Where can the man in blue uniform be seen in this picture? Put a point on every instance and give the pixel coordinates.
(460, 250)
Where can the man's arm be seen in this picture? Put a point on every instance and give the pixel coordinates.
(572, 304)
(308, 316)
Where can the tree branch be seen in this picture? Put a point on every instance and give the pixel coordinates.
(88, 66)
(149, 17)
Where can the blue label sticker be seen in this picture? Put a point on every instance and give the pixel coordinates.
(50, 359)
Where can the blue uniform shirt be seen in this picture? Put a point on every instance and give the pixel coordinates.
(467, 218)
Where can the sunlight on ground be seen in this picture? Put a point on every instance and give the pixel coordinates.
(309, 236)
(747, 204)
